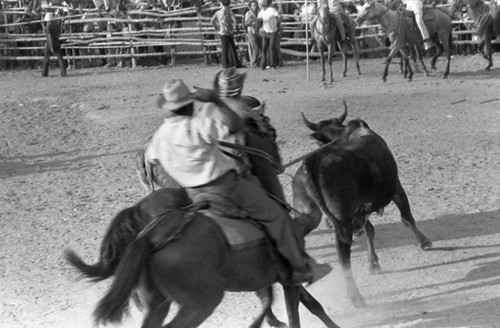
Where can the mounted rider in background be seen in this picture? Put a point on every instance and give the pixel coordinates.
(416, 6)
(335, 8)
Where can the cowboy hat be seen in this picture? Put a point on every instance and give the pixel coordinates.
(229, 82)
(175, 95)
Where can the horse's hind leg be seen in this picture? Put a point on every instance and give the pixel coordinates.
(195, 310)
(488, 51)
(355, 47)
(401, 201)
(322, 57)
(266, 297)
(315, 307)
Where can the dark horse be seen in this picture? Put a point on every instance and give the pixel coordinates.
(401, 33)
(325, 33)
(182, 257)
(486, 20)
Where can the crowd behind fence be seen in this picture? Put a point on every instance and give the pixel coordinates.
(141, 35)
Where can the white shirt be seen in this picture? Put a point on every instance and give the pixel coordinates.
(269, 19)
(187, 149)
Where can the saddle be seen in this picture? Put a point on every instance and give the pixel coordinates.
(166, 227)
(428, 15)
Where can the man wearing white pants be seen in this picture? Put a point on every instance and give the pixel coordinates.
(417, 7)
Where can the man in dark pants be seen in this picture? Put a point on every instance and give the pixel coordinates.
(52, 29)
(224, 22)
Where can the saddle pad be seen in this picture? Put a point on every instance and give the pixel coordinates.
(239, 233)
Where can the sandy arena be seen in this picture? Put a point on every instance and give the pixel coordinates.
(66, 168)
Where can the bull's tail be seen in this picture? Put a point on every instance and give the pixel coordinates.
(121, 232)
(115, 303)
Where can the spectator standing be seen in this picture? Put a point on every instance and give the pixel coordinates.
(269, 18)
(253, 38)
(52, 29)
(224, 21)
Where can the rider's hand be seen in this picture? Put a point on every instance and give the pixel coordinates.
(203, 95)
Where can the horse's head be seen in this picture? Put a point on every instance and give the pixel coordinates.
(323, 12)
(365, 13)
(455, 5)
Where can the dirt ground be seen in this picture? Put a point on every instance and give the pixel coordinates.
(66, 168)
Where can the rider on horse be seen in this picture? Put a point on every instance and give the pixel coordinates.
(187, 148)
(335, 11)
(416, 6)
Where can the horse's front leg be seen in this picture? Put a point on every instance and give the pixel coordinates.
(388, 59)
(343, 51)
(266, 298)
(315, 308)
(404, 53)
(343, 235)
(292, 297)
(418, 53)
(331, 49)
(322, 57)
(488, 51)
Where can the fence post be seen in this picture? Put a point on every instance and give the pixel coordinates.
(133, 59)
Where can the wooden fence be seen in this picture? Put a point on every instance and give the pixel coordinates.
(159, 36)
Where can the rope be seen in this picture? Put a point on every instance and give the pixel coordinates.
(298, 159)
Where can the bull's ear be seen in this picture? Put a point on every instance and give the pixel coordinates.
(343, 115)
(312, 126)
(317, 135)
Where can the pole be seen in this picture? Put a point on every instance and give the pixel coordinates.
(307, 42)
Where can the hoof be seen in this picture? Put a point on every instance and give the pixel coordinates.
(277, 324)
(426, 245)
(374, 268)
(384, 79)
(359, 303)
(487, 68)
(445, 77)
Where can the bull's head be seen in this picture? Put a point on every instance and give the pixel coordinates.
(327, 130)
(334, 129)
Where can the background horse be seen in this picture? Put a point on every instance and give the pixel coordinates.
(486, 20)
(182, 257)
(325, 33)
(402, 33)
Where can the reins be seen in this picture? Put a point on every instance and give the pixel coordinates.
(302, 157)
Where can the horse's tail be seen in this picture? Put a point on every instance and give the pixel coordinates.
(496, 21)
(121, 232)
(112, 307)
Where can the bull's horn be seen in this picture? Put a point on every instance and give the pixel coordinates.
(309, 124)
(344, 114)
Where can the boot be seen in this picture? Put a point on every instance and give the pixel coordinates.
(309, 273)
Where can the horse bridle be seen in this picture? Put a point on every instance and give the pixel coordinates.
(329, 23)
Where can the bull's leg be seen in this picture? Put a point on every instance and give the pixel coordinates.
(266, 298)
(401, 201)
(373, 264)
(344, 242)
(315, 307)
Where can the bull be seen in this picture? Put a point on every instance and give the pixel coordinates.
(352, 176)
